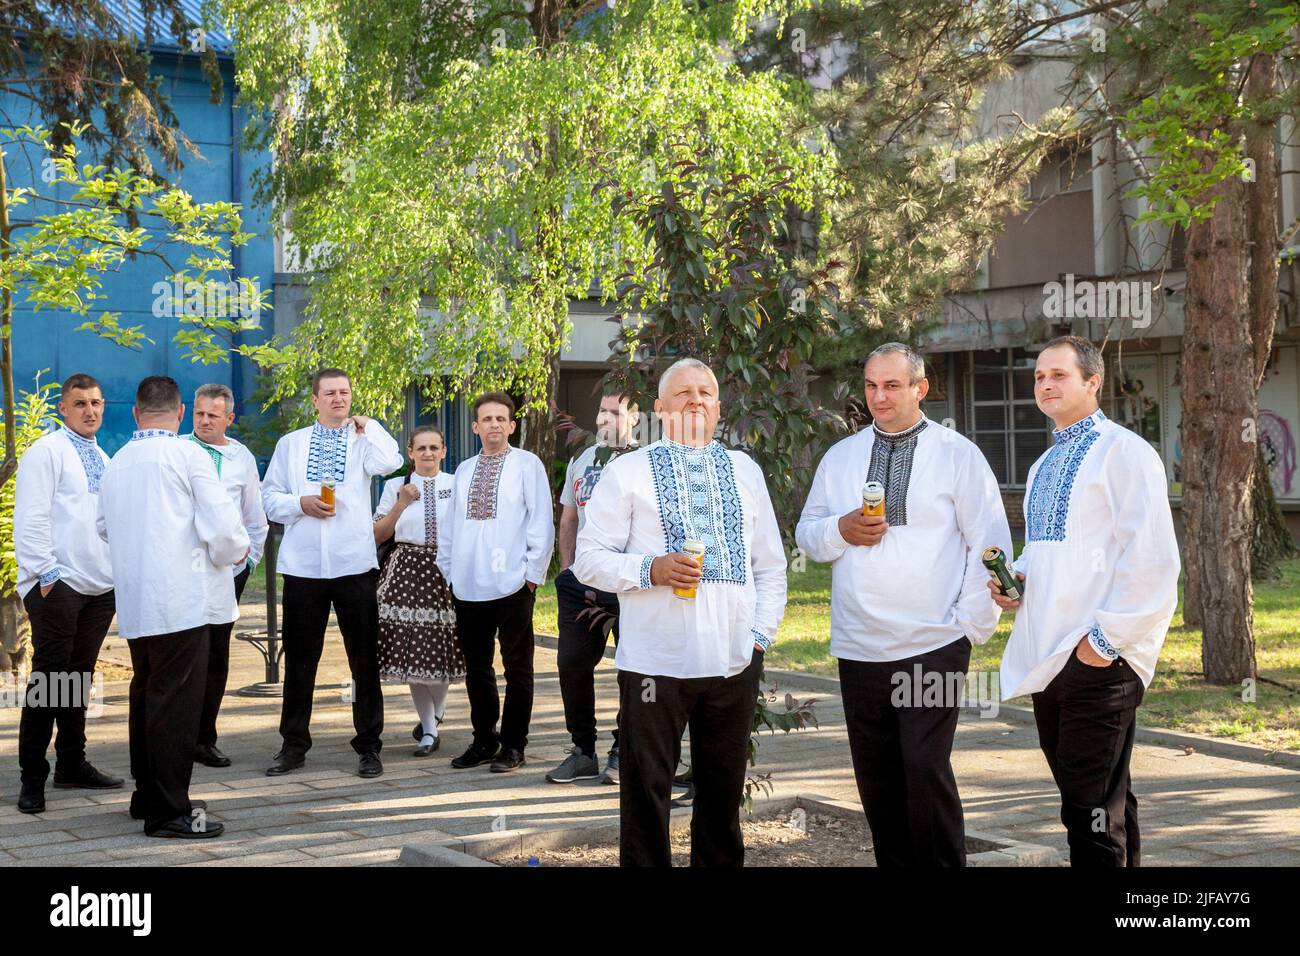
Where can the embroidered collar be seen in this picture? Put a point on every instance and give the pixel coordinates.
(895, 439)
(1071, 432)
(327, 453)
(324, 430)
(501, 454)
(151, 433)
(88, 451)
(213, 451)
(678, 448)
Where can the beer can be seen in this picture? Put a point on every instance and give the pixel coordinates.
(873, 499)
(327, 492)
(695, 548)
(996, 561)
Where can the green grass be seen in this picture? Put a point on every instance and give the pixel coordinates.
(1178, 698)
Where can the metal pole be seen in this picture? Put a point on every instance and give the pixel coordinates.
(272, 624)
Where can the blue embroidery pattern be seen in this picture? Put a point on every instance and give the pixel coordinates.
(698, 498)
(49, 577)
(152, 433)
(1049, 499)
(328, 452)
(1101, 644)
(761, 639)
(91, 460)
(645, 572)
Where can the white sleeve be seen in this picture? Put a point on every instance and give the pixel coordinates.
(540, 533)
(1144, 587)
(279, 496)
(388, 498)
(250, 504)
(34, 488)
(216, 519)
(601, 560)
(768, 562)
(818, 532)
(982, 521)
(380, 454)
(447, 531)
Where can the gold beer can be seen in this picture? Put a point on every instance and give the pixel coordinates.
(327, 492)
(873, 499)
(695, 548)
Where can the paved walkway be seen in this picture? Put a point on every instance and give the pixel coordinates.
(1197, 809)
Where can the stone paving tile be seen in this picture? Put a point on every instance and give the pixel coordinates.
(325, 815)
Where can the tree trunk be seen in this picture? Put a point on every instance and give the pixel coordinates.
(1219, 447)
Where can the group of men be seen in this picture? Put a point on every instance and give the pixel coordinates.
(673, 547)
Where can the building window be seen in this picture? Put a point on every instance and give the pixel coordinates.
(1003, 419)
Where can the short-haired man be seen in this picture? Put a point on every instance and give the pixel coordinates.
(586, 622)
(693, 629)
(214, 412)
(176, 537)
(494, 548)
(907, 602)
(65, 580)
(1100, 568)
(318, 486)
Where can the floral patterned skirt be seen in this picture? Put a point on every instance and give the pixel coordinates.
(417, 620)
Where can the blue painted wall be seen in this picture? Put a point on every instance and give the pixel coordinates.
(47, 340)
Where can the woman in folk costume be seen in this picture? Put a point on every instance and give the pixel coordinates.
(417, 620)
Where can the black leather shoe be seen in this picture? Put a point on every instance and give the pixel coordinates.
(474, 756)
(32, 798)
(188, 828)
(284, 763)
(194, 805)
(86, 777)
(509, 759)
(424, 751)
(369, 766)
(417, 732)
(210, 756)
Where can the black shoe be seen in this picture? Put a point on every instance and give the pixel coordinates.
(474, 756)
(86, 777)
(369, 766)
(188, 828)
(576, 766)
(509, 759)
(284, 763)
(425, 749)
(32, 798)
(417, 732)
(210, 756)
(611, 768)
(194, 805)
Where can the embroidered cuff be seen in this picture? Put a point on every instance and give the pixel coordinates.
(1100, 644)
(762, 640)
(49, 577)
(644, 582)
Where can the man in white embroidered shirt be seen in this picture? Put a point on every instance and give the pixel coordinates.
(1100, 571)
(692, 637)
(176, 537)
(65, 581)
(318, 486)
(494, 549)
(214, 412)
(907, 602)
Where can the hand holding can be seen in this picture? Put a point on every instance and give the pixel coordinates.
(695, 549)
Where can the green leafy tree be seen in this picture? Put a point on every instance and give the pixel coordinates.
(1199, 86)
(30, 418)
(437, 165)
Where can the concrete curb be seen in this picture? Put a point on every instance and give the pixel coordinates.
(1147, 735)
(481, 849)
(1178, 739)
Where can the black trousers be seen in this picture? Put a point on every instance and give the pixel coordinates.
(218, 669)
(655, 711)
(166, 697)
(478, 625)
(582, 645)
(1086, 723)
(68, 630)
(306, 606)
(902, 755)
